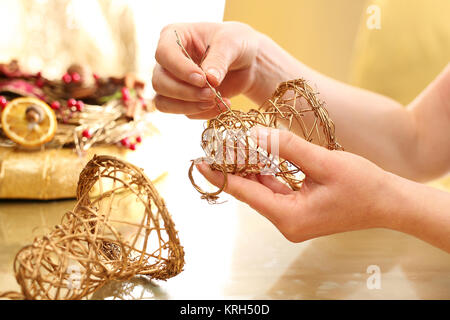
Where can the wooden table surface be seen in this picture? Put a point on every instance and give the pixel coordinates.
(234, 253)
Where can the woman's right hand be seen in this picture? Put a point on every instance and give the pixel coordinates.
(229, 66)
(341, 192)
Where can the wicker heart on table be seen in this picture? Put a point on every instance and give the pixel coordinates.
(119, 228)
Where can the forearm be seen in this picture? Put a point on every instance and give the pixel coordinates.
(418, 210)
(368, 124)
(431, 113)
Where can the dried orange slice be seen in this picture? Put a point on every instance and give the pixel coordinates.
(29, 122)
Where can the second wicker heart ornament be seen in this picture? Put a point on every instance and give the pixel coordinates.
(119, 228)
(230, 148)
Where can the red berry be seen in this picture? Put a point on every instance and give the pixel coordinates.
(125, 142)
(144, 104)
(55, 105)
(3, 102)
(71, 102)
(138, 139)
(67, 78)
(38, 75)
(132, 146)
(87, 133)
(96, 76)
(40, 82)
(125, 94)
(80, 105)
(76, 77)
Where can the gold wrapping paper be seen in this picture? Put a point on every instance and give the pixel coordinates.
(47, 174)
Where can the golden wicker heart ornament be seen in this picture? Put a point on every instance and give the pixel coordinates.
(230, 147)
(119, 228)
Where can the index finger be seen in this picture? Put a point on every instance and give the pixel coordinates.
(172, 58)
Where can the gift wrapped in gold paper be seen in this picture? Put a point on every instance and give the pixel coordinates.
(47, 174)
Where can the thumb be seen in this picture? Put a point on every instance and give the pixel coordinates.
(218, 59)
(313, 160)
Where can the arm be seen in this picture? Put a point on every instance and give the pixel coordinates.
(421, 211)
(412, 142)
(329, 201)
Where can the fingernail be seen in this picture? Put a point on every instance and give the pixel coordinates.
(206, 94)
(206, 106)
(202, 166)
(197, 79)
(215, 73)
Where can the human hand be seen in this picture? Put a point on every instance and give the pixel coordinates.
(180, 84)
(341, 192)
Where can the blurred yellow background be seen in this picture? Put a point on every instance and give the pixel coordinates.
(319, 33)
(399, 59)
